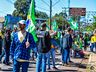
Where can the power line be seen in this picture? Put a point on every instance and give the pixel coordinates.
(56, 3)
(45, 2)
(43, 8)
(59, 5)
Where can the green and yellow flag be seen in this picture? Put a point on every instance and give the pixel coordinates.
(31, 21)
(73, 24)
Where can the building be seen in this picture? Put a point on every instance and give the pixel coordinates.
(12, 20)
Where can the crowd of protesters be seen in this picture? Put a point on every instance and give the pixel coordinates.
(17, 45)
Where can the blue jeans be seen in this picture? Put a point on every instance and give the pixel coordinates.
(17, 65)
(2, 55)
(7, 54)
(41, 62)
(62, 53)
(34, 54)
(52, 53)
(92, 47)
(66, 55)
(95, 46)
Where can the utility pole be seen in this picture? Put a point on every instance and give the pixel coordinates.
(50, 9)
(68, 6)
(50, 13)
(64, 16)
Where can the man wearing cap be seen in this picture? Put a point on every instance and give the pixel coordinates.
(20, 48)
(44, 45)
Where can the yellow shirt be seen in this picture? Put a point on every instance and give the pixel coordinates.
(93, 39)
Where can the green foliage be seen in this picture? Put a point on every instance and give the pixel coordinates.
(91, 27)
(88, 28)
(40, 14)
(95, 18)
(94, 24)
(61, 19)
(22, 7)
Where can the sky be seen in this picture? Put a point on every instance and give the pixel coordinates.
(7, 6)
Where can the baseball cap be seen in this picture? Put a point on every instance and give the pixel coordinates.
(22, 22)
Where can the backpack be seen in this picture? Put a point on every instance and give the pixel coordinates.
(44, 43)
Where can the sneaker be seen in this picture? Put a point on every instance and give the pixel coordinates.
(65, 64)
(8, 63)
(0, 68)
(48, 68)
(70, 62)
(0, 61)
(55, 68)
(4, 62)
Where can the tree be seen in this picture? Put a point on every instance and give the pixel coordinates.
(22, 7)
(94, 23)
(61, 20)
(40, 14)
(90, 27)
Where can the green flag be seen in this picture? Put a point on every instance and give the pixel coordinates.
(73, 24)
(54, 25)
(31, 20)
(6, 21)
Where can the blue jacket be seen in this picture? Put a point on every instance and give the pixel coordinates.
(68, 43)
(18, 49)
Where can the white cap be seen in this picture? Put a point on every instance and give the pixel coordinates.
(22, 22)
